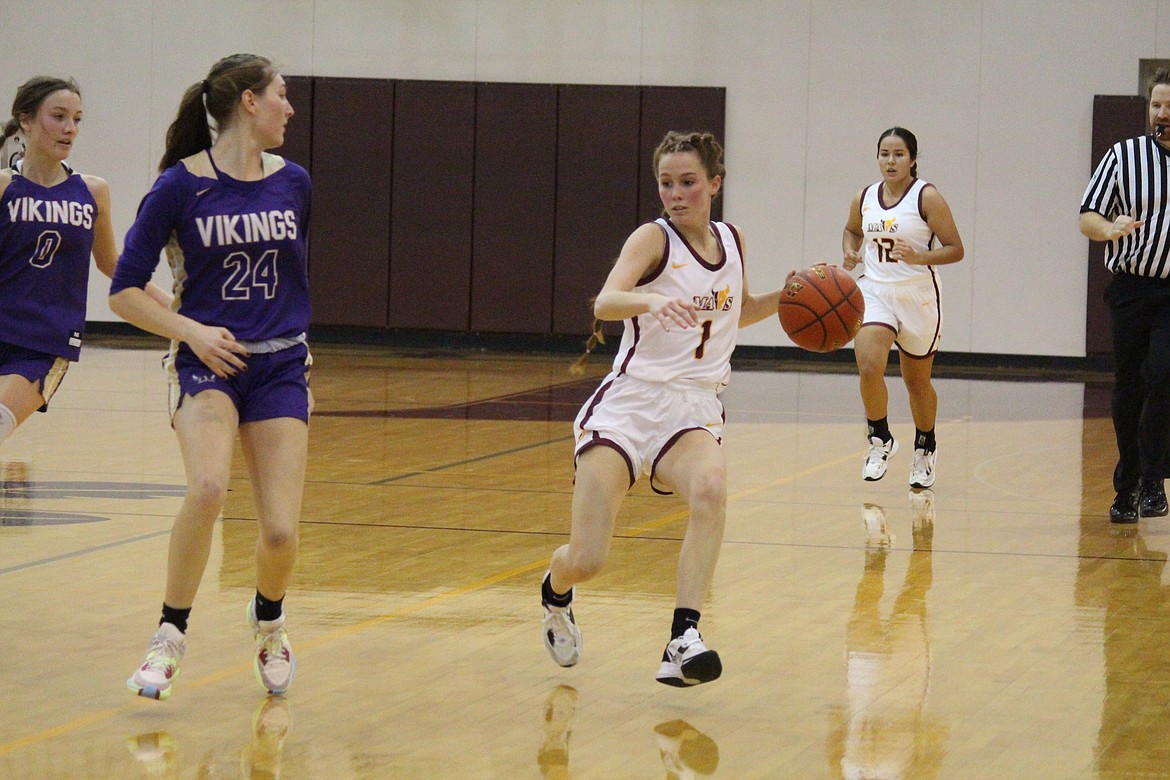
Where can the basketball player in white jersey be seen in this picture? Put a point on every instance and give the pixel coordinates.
(901, 228)
(679, 287)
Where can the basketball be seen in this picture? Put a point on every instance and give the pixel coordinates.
(821, 308)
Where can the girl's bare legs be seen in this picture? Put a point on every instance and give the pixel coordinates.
(871, 349)
(695, 469)
(276, 451)
(601, 481)
(206, 427)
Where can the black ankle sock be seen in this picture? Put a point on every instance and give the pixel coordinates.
(683, 619)
(267, 609)
(879, 428)
(924, 440)
(551, 597)
(176, 617)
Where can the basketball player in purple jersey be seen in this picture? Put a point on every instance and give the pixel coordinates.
(51, 220)
(232, 219)
(900, 228)
(680, 287)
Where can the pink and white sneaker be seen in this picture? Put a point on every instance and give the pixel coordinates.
(161, 668)
(275, 663)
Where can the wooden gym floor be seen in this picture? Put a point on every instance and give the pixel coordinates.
(996, 628)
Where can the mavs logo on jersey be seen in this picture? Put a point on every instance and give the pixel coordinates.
(884, 226)
(718, 300)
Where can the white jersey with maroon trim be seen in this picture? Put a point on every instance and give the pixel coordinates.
(700, 355)
(882, 224)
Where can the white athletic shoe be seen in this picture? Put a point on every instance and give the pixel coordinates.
(878, 456)
(562, 638)
(161, 668)
(275, 663)
(686, 661)
(922, 472)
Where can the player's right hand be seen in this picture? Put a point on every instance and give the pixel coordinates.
(218, 349)
(850, 259)
(676, 311)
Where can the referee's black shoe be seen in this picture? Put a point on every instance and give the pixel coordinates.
(1125, 507)
(1152, 501)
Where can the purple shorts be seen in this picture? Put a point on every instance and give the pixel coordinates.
(276, 384)
(42, 369)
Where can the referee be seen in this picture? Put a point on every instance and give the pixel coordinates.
(1127, 204)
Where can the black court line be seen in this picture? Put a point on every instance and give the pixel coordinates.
(549, 403)
(466, 461)
(84, 551)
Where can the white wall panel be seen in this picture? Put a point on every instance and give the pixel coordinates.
(999, 93)
(1042, 64)
(876, 65)
(578, 42)
(402, 39)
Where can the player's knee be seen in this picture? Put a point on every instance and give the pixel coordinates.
(584, 564)
(918, 385)
(870, 367)
(278, 539)
(708, 493)
(206, 493)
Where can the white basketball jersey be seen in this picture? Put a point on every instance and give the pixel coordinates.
(882, 224)
(701, 354)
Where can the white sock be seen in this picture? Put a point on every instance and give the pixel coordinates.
(7, 422)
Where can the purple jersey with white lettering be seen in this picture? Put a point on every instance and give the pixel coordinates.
(46, 236)
(236, 248)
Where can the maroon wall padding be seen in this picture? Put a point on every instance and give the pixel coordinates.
(1115, 117)
(515, 195)
(597, 202)
(349, 241)
(675, 108)
(430, 236)
(298, 135)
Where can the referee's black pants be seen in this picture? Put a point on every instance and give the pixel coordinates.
(1140, 309)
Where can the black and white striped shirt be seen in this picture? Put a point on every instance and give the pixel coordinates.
(1134, 178)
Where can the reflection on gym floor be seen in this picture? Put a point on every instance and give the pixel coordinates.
(996, 626)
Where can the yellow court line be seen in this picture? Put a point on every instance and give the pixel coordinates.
(682, 513)
(356, 628)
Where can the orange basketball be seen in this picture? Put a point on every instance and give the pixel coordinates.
(821, 308)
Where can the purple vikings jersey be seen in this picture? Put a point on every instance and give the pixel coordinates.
(236, 248)
(46, 236)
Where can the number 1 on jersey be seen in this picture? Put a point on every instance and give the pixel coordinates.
(703, 339)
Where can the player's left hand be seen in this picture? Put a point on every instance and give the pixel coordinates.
(903, 252)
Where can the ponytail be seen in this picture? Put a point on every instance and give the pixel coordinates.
(217, 95)
(189, 133)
